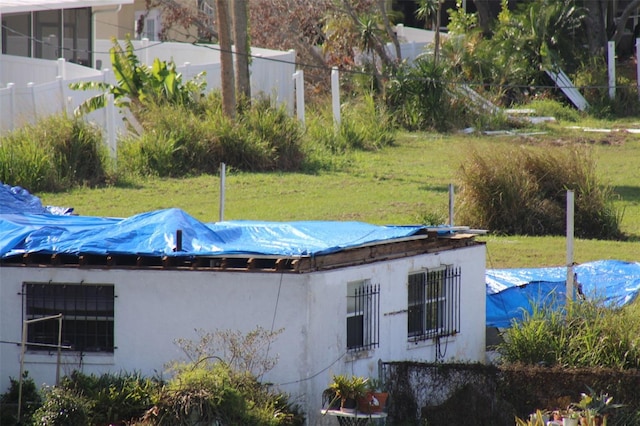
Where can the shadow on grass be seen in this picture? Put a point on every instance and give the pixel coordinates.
(628, 193)
(434, 188)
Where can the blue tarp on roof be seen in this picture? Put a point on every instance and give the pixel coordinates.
(510, 292)
(28, 227)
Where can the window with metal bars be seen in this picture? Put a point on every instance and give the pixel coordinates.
(87, 315)
(433, 303)
(363, 315)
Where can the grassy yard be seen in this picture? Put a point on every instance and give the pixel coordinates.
(398, 185)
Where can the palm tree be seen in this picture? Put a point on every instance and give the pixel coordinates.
(427, 10)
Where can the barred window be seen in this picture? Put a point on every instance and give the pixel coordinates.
(363, 315)
(87, 315)
(434, 303)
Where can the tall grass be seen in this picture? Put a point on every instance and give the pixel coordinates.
(55, 154)
(181, 142)
(521, 190)
(585, 334)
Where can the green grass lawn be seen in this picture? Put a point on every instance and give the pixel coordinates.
(396, 185)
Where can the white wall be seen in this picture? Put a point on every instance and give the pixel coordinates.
(328, 307)
(153, 308)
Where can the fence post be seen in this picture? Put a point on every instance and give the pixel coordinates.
(12, 105)
(611, 61)
(62, 70)
(111, 127)
(32, 91)
(145, 46)
(298, 78)
(335, 95)
(63, 102)
(638, 65)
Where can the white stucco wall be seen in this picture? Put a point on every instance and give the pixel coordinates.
(153, 308)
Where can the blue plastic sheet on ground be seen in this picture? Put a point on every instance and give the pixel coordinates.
(28, 227)
(512, 292)
(14, 199)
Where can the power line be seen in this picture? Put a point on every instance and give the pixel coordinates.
(327, 68)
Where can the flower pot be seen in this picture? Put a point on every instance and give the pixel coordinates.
(569, 421)
(348, 405)
(373, 402)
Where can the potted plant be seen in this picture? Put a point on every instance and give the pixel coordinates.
(348, 389)
(595, 407)
(375, 397)
(570, 417)
(539, 418)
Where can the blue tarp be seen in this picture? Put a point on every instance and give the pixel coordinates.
(28, 227)
(510, 292)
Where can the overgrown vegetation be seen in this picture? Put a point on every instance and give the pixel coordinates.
(508, 64)
(56, 154)
(584, 334)
(521, 190)
(220, 383)
(29, 401)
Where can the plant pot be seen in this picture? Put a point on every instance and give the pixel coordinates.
(568, 421)
(597, 421)
(348, 405)
(373, 402)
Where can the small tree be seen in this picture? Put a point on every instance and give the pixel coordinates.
(137, 84)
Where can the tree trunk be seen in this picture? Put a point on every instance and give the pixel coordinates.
(485, 15)
(622, 22)
(241, 42)
(226, 59)
(596, 25)
(387, 25)
(436, 56)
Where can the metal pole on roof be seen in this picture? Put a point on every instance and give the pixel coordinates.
(222, 184)
(570, 208)
(451, 205)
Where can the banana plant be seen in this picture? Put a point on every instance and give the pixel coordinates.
(137, 85)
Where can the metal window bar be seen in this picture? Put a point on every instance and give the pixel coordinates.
(363, 325)
(434, 304)
(88, 315)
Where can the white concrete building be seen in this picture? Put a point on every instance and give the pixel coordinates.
(415, 296)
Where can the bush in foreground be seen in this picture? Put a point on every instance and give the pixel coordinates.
(585, 334)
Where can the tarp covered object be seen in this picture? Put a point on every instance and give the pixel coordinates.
(27, 227)
(511, 292)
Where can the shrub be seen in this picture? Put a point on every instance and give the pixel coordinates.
(584, 334)
(214, 393)
(181, 141)
(115, 398)
(63, 407)
(523, 191)
(55, 154)
(417, 96)
(31, 401)
(220, 383)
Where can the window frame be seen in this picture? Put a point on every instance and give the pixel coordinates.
(433, 303)
(363, 302)
(88, 315)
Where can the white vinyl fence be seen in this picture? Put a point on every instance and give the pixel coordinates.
(36, 88)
